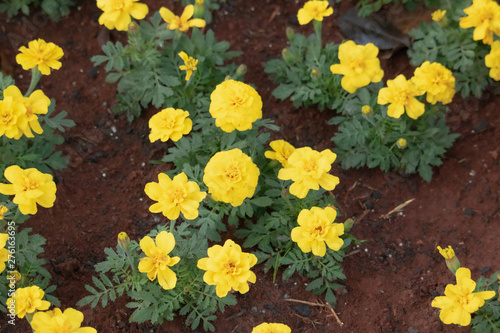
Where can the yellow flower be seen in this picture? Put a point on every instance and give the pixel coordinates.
(36, 103)
(30, 187)
(189, 64)
(57, 321)
(41, 54)
(117, 13)
(4, 253)
(271, 328)
(158, 261)
(175, 196)
(401, 94)
(359, 65)
(314, 10)
(227, 267)
(281, 153)
(308, 169)
(182, 23)
(439, 15)
(452, 261)
(447, 253)
(460, 300)
(483, 15)
(168, 124)
(3, 210)
(436, 80)
(28, 300)
(316, 228)
(492, 60)
(235, 105)
(231, 177)
(12, 118)
(401, 143)
(366, 110)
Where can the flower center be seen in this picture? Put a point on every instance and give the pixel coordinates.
(231, 268)
(232, 173)
(117, 4)
(30, 184)
(177, 194)
(162, 261)
(318, 232)
(310, 166)
(237, 101)
(190, 64)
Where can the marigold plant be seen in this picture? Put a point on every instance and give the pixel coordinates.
(28, 300)
(12, 118)
(45, 56)
(170, 124)
(56, 321)
(116, 13)
(227, 267)
(235, 105)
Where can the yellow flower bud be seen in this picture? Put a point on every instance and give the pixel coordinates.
(123, 240)
(287, 56)
(290, 33)
(241, 70)
(401, 143)
(367, 110)
(133, 28)
(315, 74)
(451, 260)
(439, 16)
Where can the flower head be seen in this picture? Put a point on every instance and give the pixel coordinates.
(12, 118)
(359, 65)
(123, 240)
(401, 143)
(4, 253)
(308, 169)
(447, 253)
(117, 13)
(182, 23)
(281, 151)
(189, 64)
(271, 328)
(231, 177)
(316, 228)
(157, 261)
(314, 10)
(439, 16)
(227, 267)
(41, 54)
(3, 210)
(170, 124)
(436, 80)
(400, 93)
(483, 15)
(492, 60)
(28, 300)
(56, 321)
(175, 196)
(30, 187)
(235, 105)
(36, 103)
(452, 261)
(460, 300)
(366, 110)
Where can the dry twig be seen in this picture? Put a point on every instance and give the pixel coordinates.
(397, 209)
(328, 306)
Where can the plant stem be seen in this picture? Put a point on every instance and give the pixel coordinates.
(35, 77)
(317, 29)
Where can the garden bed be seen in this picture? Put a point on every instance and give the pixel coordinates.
(391, 278)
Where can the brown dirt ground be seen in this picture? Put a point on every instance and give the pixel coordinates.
(391, 279)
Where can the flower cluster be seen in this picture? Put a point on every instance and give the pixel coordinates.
(41, 55)
(116, 13)
(484, 16)
(436, 81)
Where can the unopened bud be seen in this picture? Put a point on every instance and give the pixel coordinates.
(348, 224)
(290, 33)
(133, 28)
(439, 16)
(14, 275)
(451, 260)
(199, 8)
(241, 71)
(367, 110)
(315, 74)
(287, 56)
(123, 240)
(285, 193)
(402, 143)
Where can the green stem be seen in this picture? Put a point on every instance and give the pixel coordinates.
(35, 77)
(29, 317)
(317, 29)
(172, 223)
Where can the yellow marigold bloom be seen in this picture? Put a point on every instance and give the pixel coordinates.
(366, 110)
(12, 118)
(359, 65)
(175, 196)
(316, 228)
(438, 15)
(235, 105)
(16, 275)
(30, 187)
(189, 64)
(3, 210)
(42, 54)
(401, 143)
(231, 177)
(157, 262)
(281, 151)
(4, 253)
(308, 169)
(492, 60)
(170, 124)
(314, 10)
(36, 103)
(436, 80)
(447, 253)
(460, 300)
(483, 15)
(28, 300)
(182, 23)
(452, 261)
(272, 328)
(227, 267)
(56, 321)
(400, 93)
(116, 13)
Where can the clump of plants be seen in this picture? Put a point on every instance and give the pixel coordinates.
(461, 38)
(54, 9)
(468, 302)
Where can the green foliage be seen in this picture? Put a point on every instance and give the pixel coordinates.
(371, 140)
(487, 318)
(55, 9)
(303, 73)
(147, 68)
(366, 7)
(191, 297)
(208, 7)
(453, 47)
